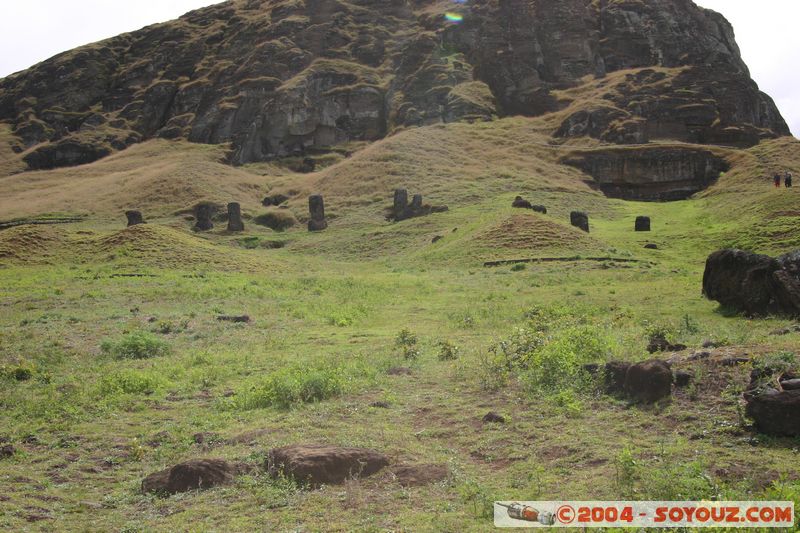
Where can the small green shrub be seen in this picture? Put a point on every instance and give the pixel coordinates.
(626, 474)
(406, 341)
(250, 243)
(130, 382)
(448, 351)
(519, 267)
(137, 345)
(294, 385)
(278, 220)
(21, 372)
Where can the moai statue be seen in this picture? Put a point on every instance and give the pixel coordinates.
(316, 208)
(416, 203)
(642, 223)
(134, 218)
(580, 220)
(235, 217)
(202, 215)
(400, 204)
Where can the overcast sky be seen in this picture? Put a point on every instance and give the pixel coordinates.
(33, 30)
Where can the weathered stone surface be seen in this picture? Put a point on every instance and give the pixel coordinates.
(278, 78)
(651, 246)
(776, 412)
(324, 465)
(642, 224)
(316, 208)
(683, 378)
(235, 217)
(649, 381)
(580, 220)
(494, 418)
(539, 209)
(521, 203)
(275, 199)
(134, 218)
(754, 284)
(202, 215)
(614, 374)
(649, 174)
(402, 210)
(192, 475)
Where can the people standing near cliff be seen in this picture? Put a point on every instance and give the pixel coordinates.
(787, 179)
(777, 180)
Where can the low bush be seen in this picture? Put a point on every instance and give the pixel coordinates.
(278, 220)
(137, 345)
(130, 382)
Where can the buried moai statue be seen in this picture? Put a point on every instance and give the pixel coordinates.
(316, 208)
(579, 219)
(202, 215)
(235, 217)
(134, 218)
(402, 210)
(642, 223)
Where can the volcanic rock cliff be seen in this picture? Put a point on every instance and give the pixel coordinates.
(280, 77)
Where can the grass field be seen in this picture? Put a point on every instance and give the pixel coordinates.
(112, 359)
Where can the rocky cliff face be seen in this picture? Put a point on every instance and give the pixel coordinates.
(279, 77)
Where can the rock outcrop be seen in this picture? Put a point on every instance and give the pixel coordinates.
(324, 465)
(754, 284)
(134, 218)
(580, 220)
(192, 475)
(649, 174)
(276, 78)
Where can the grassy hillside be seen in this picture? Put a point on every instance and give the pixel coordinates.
(328, 313)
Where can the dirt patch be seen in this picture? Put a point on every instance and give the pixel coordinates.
(419, 475)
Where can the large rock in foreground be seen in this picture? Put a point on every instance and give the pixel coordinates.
(649, 381)
(776, 412)
(197, 474)
(752, 283)
(324, 465)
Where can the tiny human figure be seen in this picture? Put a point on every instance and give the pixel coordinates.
(787, 179)
(777, 180)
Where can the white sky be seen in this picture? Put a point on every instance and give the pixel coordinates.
(33, 30)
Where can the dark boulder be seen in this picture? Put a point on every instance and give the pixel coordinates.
(790, 384)
(642, 224)
(202, 215)
(776, 412)
(198, 474)
(235, 217)
(580, 220)
(754, 284)
(614, 376)
(521, 203)
(316, 208)
(134, 218)
(539, 209)
(402, 210)
(649, 381)
(651, 246)
(7, 450)
(494, 418)
(275, 199)
(324, 465)
(683, 378)
(659, 343)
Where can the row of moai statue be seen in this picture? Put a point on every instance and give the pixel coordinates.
(204, 212)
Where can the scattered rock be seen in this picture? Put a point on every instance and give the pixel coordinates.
(521, 203)
(399, 371)
(794, 328)
(134, 218)
(241, 319)
(776, 412)
(754, 284)
(31, 440)
(7, 450)
(649, 381)
(198, 474)
(539, 209)
(683, 378)
(316, 208)
(324, 465)
(642, 224)
(658, 343)
(494, 418)
(437, 239)
(790, 384)
(206, 437)
(614, 376)
(202, 215)
(696, 356)
(308, 166)
(275, 199)
(380, 405)
(651, 246)
(580, 220)
(734, 361)
(235, 217)
(711, 344)
(419, 475)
